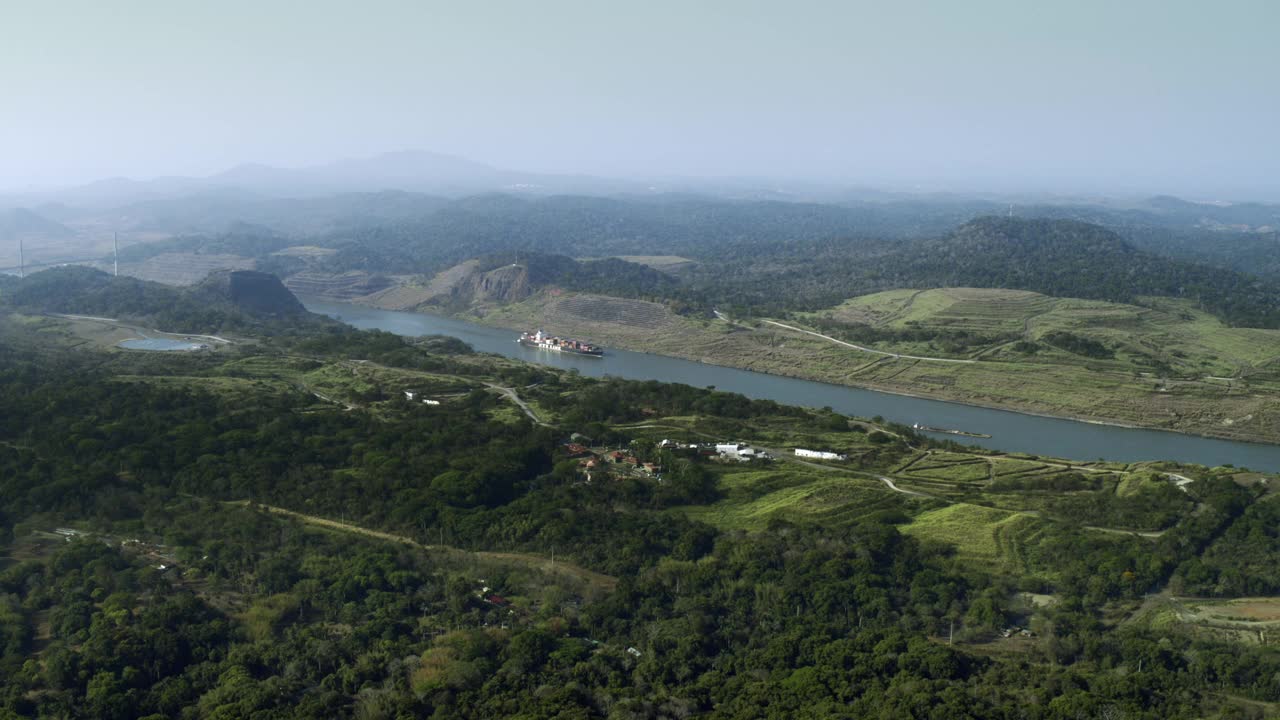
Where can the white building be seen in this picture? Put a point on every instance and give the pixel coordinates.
(820, 454)
(740, 452)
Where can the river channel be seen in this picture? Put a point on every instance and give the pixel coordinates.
(1009, 431)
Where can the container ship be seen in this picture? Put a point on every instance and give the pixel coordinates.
(544, 341)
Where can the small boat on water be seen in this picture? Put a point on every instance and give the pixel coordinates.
(926, 428)
(543, 341)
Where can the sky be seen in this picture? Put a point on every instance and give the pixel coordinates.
(1137, 96)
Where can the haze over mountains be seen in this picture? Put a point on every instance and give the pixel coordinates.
(415, 211)
(410, 171)
(420, 171)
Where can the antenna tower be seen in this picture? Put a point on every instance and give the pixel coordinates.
(115, 243)
(22, 259)
(1010, 209)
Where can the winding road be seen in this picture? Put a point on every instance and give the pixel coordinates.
(511, 393)
(867, 349)
(895, 488)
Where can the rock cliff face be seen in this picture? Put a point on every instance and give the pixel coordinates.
(254, 292)
(506, 284)
(344, 286)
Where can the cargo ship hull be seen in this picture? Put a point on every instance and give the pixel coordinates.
(541, 341)
(557, 348)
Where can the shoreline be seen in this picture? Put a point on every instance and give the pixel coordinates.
(1102, 422)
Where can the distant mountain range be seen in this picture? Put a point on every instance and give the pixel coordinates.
(20, 222)
(414, 211)
(418, 171)
(410, 171)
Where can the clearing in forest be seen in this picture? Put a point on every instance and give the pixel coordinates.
(979, 534)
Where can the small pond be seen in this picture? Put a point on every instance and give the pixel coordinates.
(163, 344)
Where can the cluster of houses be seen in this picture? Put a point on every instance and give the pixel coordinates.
(624, 462)
(488, 596)
(162, 557)
(609, 461)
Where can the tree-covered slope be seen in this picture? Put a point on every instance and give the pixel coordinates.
(771, 257)
(594, 226)
(229, 301)
(1073, 259)
(451, 560)
(1063, 258)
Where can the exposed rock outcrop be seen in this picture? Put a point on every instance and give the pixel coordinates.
(507, 284)
(254, 292)
(341, 286)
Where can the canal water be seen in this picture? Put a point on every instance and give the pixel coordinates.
(1009, 431)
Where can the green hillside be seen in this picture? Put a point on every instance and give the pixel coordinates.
(276, 530)
(1170, 337)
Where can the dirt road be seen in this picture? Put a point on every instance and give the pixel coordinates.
(557, 567)
(867, 349)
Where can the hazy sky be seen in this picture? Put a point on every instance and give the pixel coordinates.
(1160, 95)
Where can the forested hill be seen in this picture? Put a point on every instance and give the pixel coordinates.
(778, 256)
(257, 293)
(608, 276)
(593, 226)
(1074, 259)
(228, 301)
(1064, 258)
(758, 257)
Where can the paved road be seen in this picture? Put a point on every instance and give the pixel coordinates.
(1180, 481)
(895, 488)
(326, 398)
(511, 393)
(1122, 531)
(114, 321)
(867, 349)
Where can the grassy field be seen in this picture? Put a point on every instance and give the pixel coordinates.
(1161, 330)
(960, 508)
(979, 534)
(755, 497)
(1174, 367)
(1245, 620)
(70, 333)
